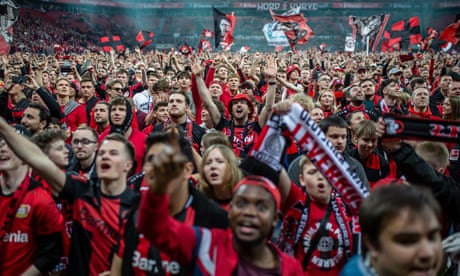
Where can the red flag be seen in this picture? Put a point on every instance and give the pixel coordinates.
(294, 25)
(111, 42)
(451, 33)
(207, 33)
(144, 38)
(185, 50)
(204, 45)
(403, 34)
(224, 25)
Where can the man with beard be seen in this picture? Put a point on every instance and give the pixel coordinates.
(390, 102)
(241, 130)
(35, 118)
(120, 118)
(357, 97)
(370, 98)
(84, 145)
(178, 104)
(243, 251)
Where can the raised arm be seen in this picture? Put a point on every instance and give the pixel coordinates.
(206, 98)
(33, 156)
(270, 74)
(174, 238)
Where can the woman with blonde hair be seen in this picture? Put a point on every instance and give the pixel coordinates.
(219, 173)
(326, 101)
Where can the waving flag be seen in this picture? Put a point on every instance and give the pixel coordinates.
(204, 45)
(294, 25)
(371, 27)
(144, 38)
(207, 33)
(274, 35)
(403, 34)
(9, 11)
(224, 25)
(111, 42)
(451, 33)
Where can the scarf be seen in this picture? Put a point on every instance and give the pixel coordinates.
(401, 127)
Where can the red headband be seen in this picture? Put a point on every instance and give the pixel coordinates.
(263, 182)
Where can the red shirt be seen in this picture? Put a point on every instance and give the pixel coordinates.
(137, 139)
(75, 118)
(36, 215)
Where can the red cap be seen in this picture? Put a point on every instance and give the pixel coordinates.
(241, 97)
(292, 68)
(263, 182)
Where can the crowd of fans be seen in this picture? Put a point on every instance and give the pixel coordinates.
(107, 160)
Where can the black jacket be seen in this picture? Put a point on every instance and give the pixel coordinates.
(445, 189)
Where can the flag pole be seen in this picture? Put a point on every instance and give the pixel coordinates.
(367, 45)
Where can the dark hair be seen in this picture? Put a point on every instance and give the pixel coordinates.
(129, 148)
(416, 81)
(187, 99)
(386, 82)
(332, 121)
(164, 137)
(86, 80)
(43, 113)
(387, 202)
(160, 104)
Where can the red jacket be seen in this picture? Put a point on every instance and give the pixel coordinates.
(208, 251)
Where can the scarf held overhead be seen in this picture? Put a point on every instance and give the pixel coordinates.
(316, 146)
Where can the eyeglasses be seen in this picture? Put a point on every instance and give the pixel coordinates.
(118, 89)
(84, 142)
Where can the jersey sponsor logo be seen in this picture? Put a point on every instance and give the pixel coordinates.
(23, 211)
(144, 264)
(150, 265)
(97, 223)
(16, 237)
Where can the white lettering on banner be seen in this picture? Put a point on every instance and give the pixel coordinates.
(324, 155)
(16, 237)
(304, 6)
(267, 6)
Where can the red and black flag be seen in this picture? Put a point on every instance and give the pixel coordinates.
(111, 42)
(224, 25)
(204, 45)
(403, 34)
(207, 33)
(144, 38)
(448, 37)
(185, 50)
(371, 27)
(294, 25)
(451, 33)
